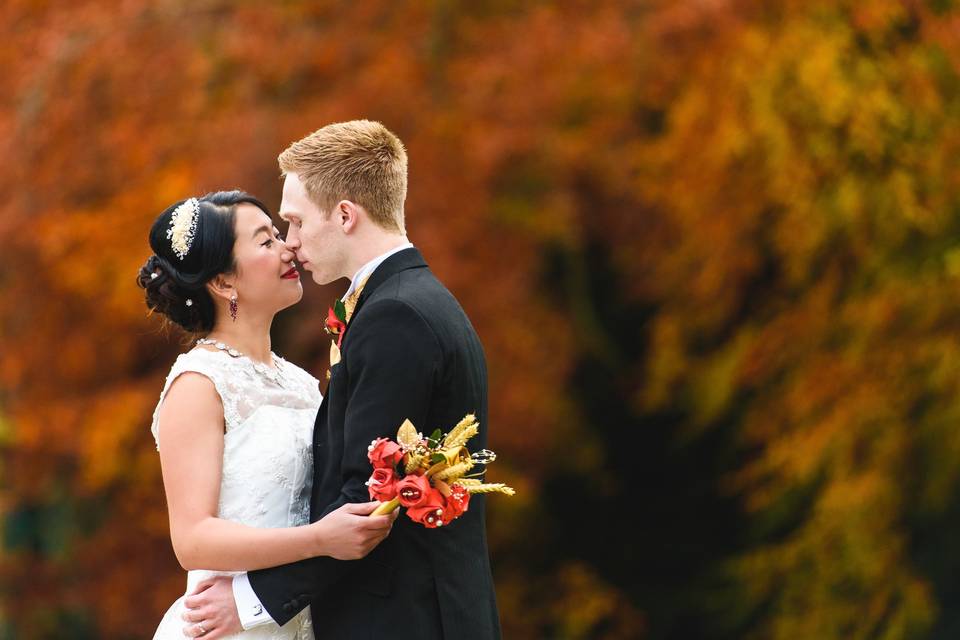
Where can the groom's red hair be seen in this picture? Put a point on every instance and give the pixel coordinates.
(360, 161)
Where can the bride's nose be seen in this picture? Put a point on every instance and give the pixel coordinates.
(287, 255)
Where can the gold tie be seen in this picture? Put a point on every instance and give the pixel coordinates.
(350, 304)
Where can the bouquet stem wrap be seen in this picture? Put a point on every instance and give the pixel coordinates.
(386, 507)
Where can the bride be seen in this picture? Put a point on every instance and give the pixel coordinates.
(234, 424)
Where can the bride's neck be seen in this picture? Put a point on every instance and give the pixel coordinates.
(250, 336)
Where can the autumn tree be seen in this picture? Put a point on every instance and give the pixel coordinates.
(710, 248)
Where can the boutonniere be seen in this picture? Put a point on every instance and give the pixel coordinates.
(337, 318)
(336, 322)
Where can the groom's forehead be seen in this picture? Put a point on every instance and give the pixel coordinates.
(292, 204)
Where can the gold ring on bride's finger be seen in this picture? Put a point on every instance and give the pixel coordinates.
(203, 631)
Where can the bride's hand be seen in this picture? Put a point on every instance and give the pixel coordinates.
(350, 532)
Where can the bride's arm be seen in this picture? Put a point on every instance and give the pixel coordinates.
(191, 431)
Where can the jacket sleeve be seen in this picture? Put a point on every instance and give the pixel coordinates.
(392, 360)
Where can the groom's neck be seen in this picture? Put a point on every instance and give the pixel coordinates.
(371, 247)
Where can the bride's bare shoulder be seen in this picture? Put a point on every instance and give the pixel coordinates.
(192, 393)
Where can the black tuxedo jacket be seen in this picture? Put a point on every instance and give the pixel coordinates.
(409, 351)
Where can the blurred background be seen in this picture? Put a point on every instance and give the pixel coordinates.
(712, 248)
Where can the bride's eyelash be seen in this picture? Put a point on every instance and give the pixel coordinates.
(269, 242)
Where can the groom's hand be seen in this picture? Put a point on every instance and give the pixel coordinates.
(211, 610)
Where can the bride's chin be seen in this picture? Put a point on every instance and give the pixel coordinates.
(295, 299)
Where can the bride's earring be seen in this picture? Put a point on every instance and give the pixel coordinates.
(233, 307)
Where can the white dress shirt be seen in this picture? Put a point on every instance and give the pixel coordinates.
(371, 266)
(251, 610)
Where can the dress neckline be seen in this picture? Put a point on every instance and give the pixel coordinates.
(242, 356)
(275, 374)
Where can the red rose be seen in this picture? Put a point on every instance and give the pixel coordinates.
(384, 452)
(457, 503)
(413, 490)
(430, 511)
(335, 326)
(382, 485)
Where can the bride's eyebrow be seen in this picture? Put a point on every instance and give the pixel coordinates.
(259, 229)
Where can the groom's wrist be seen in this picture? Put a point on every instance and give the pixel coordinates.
(250, 610)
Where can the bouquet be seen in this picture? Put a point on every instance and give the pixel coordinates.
(431, 477)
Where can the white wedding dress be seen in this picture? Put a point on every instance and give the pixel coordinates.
(267, 461)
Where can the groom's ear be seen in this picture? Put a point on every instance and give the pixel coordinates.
(347, 213)
(220, 287)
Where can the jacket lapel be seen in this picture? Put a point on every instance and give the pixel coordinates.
(400, 261)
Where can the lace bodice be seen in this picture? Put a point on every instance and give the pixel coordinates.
(267, 471)
(269, 419)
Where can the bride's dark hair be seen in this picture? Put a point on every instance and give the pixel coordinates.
(211, 253)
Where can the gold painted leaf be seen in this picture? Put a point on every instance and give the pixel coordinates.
(407, 434)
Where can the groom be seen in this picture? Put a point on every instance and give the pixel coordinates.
(408, 351)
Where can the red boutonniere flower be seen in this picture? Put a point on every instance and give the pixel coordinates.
(336, 321)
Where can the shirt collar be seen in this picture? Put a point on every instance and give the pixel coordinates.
(371, 266)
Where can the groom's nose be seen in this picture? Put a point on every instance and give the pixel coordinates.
(292, 241)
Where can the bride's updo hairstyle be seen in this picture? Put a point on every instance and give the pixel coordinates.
(174, 278)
